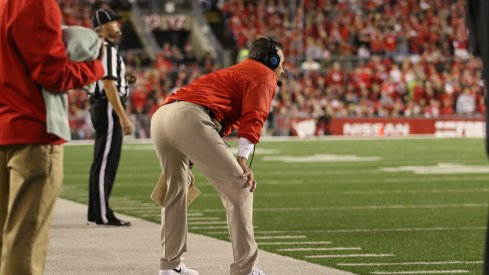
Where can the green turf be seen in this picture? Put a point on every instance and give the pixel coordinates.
(353, 204)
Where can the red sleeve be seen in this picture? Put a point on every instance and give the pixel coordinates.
(37, 34)
(255, 108)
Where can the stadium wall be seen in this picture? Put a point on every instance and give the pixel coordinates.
(379, 127)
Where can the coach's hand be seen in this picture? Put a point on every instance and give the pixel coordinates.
(247, 174)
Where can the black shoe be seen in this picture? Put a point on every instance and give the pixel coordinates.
(116, 222)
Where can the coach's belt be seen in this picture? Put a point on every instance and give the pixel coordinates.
(207, 110)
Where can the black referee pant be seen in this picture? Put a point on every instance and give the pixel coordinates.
(106, 156)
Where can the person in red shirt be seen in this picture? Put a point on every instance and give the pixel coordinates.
(31, 159)
(336, 76)
(190, 126)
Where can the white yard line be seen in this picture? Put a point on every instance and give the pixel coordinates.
(195, 214)
(369, 192)
(421, 272)
(348, 256)
(191, 218)
(361, 230)
(410, 263)
(318, 249)
(417, 191)
(292, 243)
(208, 227)
(280, 237)
(151, 215)
(363, 207)
(373, 180)
(206, 222)
(134, 210)
(283, 138)
(346, 138)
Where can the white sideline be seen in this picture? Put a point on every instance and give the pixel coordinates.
(280, 237)
(421, 272)
(348, 256)
(128, 140)
(410, 263)
(360, 207)
(293, 243)
(318, 249)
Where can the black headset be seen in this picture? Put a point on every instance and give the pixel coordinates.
(272, 59)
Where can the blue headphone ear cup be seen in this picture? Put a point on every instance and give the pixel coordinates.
(273, 61)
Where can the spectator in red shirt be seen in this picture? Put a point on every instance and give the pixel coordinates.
(447, 106)
(336, 76)
(31, 159)
(390, 44)
(190, 126)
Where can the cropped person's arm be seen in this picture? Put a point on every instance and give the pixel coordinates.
(43, 51)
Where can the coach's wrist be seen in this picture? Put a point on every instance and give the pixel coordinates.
(242, 160)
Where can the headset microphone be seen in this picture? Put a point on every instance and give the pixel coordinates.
(279, 83)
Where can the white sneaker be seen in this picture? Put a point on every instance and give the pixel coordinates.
(182, 269)
(256, 271)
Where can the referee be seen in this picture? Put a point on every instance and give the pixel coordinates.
(109, 120)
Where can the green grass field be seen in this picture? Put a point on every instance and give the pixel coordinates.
(382, 206)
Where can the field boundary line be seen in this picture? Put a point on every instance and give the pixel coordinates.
(288, 138)
(410, 263)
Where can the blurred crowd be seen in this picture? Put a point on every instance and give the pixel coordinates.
(321, 29)
(344, 58)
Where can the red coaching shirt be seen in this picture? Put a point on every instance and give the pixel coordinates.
(240, 95)
(32, 55)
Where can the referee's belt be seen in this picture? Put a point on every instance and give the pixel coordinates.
(207, 110)
(97, 97)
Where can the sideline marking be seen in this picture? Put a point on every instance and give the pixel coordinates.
(366, 181)
(371, 192)
(289, 243)
(410, 263)
(208, 227)
(203, 218)
(259, 151)
(195, 214)
(148, 141)
(319, 249)
(280, 237)
(362, 230)
(440, 168)
(319, 158)
(213, 227)
(348, 256)
(421, 272)
(364, 207)
(150, 147)
(416, 191)
(205, 222)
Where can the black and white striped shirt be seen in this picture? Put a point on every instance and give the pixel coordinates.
(115, 69)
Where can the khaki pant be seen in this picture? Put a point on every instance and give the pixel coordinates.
(183, 131)
(30, 181)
